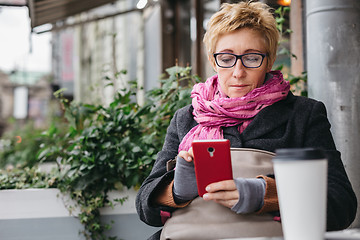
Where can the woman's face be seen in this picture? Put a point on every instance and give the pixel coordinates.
(239, 80)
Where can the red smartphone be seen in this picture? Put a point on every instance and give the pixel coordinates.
(212, 162)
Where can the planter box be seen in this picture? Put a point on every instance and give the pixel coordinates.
(41, 214)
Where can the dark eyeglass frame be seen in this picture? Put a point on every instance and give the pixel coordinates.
(240, 57)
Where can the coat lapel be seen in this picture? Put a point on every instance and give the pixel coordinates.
(269, 119)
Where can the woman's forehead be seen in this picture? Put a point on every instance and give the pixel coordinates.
(240, 40)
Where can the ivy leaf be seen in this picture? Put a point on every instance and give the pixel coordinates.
(136, 149)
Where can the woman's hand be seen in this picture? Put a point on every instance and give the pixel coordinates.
(223, 192)
(185, 187)
(188, 156)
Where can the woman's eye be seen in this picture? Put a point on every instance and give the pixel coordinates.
(251, 58)
(226, 59)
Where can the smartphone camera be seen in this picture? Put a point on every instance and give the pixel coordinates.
(211, 150)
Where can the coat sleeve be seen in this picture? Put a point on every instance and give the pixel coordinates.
(341, 199)
(159, 178)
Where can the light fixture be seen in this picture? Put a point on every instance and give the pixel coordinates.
(141, 4)
(284, 2)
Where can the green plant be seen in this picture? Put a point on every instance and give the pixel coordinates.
(17, 147)
(97, 153)
(298, 83)
(174, 93)
(280, 20)
(108, 147)
(22, 178)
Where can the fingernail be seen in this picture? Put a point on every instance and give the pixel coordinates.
(205, 196)
(207, 188)
(189, 158)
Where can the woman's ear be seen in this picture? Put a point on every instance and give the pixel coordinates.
(270, 65)
(212, 62)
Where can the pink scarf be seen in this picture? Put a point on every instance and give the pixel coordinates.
(213, 109)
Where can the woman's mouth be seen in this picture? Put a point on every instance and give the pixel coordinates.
(239, 86)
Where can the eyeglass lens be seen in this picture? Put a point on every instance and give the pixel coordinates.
(252, 60)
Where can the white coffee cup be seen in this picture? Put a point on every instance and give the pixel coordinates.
(301, 182)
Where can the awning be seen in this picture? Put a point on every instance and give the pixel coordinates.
(13, 3)
(50, 11)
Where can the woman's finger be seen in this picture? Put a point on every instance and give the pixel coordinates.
(223, 192)
(225, 198)
(226, 185)
(222, 195)
(191, 152)
(186, 155)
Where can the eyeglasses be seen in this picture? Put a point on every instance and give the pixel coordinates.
(249, 60)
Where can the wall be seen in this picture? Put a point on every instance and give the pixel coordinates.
(41, 214)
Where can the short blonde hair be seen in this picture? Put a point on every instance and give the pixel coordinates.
(253, 15)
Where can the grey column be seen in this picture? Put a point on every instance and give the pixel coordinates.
(333, 65)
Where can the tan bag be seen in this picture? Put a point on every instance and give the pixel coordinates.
(209, 220)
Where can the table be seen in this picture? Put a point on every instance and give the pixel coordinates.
(347, 234)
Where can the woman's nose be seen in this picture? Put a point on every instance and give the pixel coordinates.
(239, 69)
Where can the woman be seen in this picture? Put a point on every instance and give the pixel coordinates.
(251, 106)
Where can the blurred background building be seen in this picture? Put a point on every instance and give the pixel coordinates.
(92, 41)
(142, 37)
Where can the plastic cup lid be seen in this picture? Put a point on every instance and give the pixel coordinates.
(289, 154)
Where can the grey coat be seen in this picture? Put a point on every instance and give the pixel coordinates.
(293, 122)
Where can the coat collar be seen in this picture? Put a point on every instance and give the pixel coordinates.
(269, 118)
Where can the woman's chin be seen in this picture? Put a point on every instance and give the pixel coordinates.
(237, 93)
